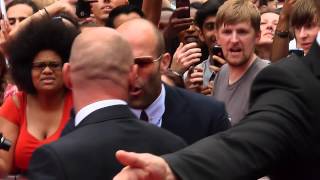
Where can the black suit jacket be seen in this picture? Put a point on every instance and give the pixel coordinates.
(88, 152)
(193, 116)
(189, 115)
(280, 136)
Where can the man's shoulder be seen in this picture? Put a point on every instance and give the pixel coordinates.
(192, 97)
(108, 132)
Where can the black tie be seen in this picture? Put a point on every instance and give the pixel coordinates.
(144, 116)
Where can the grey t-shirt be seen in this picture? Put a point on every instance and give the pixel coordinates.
(236, 96)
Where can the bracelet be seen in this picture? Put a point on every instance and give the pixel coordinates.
(175, 72)
(45, 10)
(282, 34)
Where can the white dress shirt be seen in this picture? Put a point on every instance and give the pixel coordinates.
(85, 111)
(156, 110)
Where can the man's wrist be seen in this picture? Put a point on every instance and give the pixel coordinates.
(175, 73)
(282, 34)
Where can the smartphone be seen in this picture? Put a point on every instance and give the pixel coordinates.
(217, 50)
(185, 13)
(83, 8)
(298, 52)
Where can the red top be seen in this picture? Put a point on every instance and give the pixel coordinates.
(26, 142)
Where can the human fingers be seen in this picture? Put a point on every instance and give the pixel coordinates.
(129, 173)
(219, 59)
(206, 90)
(131, 159)
(215, 69)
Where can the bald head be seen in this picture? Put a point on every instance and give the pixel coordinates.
(141, 29)
(100, 54)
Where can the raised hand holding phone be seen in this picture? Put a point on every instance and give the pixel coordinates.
(180, 18)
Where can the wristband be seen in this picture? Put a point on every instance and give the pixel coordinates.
(282, 34)
(175, 72)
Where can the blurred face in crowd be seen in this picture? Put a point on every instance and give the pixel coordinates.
(306, 34)
(46, 72)
(268, 26)
(147, 86)
(208, 31)
(102, 8)
(17, 13)
(238, 42)
(190, 35)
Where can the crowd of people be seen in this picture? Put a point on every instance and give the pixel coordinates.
(148, 89)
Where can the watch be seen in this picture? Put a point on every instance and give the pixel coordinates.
(282, 34)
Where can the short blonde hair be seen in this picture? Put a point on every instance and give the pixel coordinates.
(236, 11)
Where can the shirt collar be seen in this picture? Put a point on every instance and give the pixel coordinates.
(85, 111)
(154, 110)
(318, 38)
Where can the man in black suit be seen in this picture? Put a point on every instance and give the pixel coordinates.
(279, 137)
(186, 114)
(99, 77)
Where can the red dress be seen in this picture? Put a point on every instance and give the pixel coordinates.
(26, 142)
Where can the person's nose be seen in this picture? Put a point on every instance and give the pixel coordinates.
(302, 33)
(192, 28)
(234, 37)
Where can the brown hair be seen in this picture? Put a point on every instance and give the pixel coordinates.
(304, 13)
(236, 11)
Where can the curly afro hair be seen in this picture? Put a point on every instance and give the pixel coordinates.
(45, 34)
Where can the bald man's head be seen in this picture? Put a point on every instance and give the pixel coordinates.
(100, 53)
(145, 27)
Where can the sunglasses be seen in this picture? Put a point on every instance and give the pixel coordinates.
(40, 66)
(146, 60)
(13, 20)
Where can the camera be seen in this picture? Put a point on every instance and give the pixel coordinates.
(83, 8)
(5, 144)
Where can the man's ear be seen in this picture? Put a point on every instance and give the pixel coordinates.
(165, 62)
(133, 75)
(66, 75)
(258, 36)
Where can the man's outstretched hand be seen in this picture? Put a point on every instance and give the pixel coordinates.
(142, 166)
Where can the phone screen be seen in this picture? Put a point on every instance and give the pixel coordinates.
(185, 13)
(217, 50)
(83, 9)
